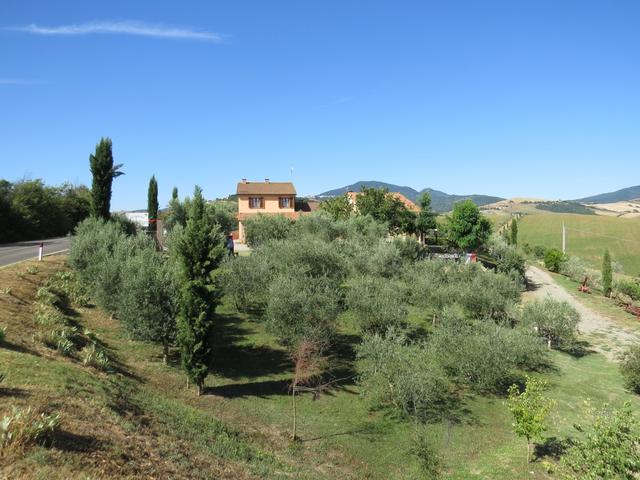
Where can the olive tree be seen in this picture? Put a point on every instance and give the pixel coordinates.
(555, 321)
(376, 303)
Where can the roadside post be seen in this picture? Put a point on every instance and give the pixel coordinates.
(40, 251)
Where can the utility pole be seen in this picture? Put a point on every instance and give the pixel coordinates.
(564, 238)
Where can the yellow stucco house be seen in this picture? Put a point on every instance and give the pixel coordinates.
(270, 198)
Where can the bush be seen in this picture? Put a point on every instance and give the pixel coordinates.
(555, 321)
(553, 259)
(507, 257)
(628, 288)
(45, 296)
(406, 378)
(539, 251)
(409, 248)
(246, 280)
(574, 268)
(24, 427)
(49, 316)
(95, 357)
(376, 304)
(381, 258)
(260, 229)
(630, 368)
(148, 302)
(302, 308)
(425, 453)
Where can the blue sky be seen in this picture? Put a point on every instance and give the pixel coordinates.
(532, 98)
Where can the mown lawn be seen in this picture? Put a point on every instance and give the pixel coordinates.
(143, 419)
(620, 235)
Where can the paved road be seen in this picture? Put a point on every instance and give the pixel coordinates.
(16, 252)
(606, 336)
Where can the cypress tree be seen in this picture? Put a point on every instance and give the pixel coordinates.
(152, 204)
(174, 193)
(514, 232)
(103, 171)
(607, 275)
(200, 249)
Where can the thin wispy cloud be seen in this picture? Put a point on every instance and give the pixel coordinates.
(140, 29)
(19, 81)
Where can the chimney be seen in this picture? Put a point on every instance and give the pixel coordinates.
(244, 180)
(266, 180)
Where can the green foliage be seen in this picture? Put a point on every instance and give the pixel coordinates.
(423, 450)
(565, 207)
(553, 259)
(381, 258)
(386, 208)
(409, 248)
(67, 283)
(149, 299)
(539, 251)
(629, 288)
(31, 210)
(103, 171)
(630, 368)
(607, 275)
(24, 427)
(338, 207)
(223, 214)
(176, 213)
(260, 229)
(403, 377)
(610, 448)
(199, 251)
(246, 281)
(507, 258)
(467, 228)
(530, 409)
(377, 304)
(302, 307)
(555, 321)
(426, 219)
(96, 357)
(152, 204)
(514, 232)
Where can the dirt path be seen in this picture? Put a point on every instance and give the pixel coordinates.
(605, 336)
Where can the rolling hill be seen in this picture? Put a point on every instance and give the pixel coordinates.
(624, 194)
(440, 201)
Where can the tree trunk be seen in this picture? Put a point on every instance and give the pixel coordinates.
(294, 436)
(199, 389)
(165, 352)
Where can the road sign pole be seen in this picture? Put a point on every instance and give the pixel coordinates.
(40, 251)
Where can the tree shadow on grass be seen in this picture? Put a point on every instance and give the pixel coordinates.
(578, 349)
(14, 392)
(14, 347)
(73, 442)
(267, 388)
(553, 447)
(232, 358)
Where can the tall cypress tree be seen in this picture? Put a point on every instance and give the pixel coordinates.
(152, 204)
(514, 232)
(607, 275)
(200, 249)
(174, 193)
(103, 171)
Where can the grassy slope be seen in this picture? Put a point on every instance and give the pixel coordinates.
(148, 422)
(546, 229)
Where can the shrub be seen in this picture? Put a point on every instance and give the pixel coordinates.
(49, 316)
(261, 229)
(246, 280)
(422, 449)
(381, 258)
(628, 288)
(68, 284)
(553, 259)
(507, 257)
(409, 248)
(95, 357)
(539, 251)
(404, 377)
(376, 303)
(609, 449)
(555, 321)
(24, 427)
(150, 281)
(302, 308)
(33, 270)
(574, 268)
(630, 368)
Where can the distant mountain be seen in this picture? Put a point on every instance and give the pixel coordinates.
(440, 201)
(625, 194)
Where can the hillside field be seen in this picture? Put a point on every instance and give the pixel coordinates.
(587, 236)
(140, 422)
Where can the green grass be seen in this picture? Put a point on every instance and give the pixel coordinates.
(620, 235)
(146, 419)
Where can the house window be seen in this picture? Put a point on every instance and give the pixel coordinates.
(285, 202)
(256, 202)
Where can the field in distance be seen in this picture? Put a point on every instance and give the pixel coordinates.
(587, 236)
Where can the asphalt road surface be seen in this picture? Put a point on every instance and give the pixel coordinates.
(16, 252)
